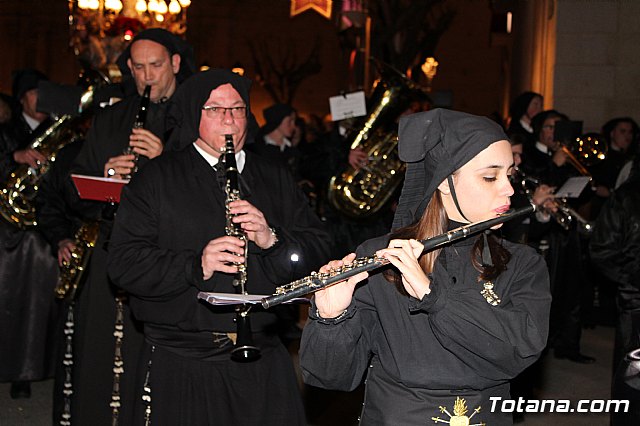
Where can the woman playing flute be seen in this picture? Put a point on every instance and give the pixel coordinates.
(437, 335)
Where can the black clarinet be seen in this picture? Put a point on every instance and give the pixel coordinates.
(319, 280)
(244, 350)
(141, 119)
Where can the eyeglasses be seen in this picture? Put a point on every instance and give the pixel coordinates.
(549, 126)
(219, 112)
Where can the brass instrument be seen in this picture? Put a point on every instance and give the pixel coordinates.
(563, 213)
(585, 151)
(244, 350)
(16, 198)
(140, 121)
(362, 192)
(319, 280)
(71, 272)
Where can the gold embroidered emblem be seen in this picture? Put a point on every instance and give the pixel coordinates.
(459, 417)
(489, 295)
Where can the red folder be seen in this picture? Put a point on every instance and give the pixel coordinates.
(99, 188)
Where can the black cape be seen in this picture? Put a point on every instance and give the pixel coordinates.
(169, 212)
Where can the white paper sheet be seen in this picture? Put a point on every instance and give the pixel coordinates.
(573, 187)
(347, 106)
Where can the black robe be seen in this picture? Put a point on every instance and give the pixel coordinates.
(419, 355)
(168, 213)
(94, 341)
(28, 275)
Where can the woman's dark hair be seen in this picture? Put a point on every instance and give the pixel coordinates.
(521, 103)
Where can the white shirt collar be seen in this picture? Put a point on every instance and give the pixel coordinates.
(33, 123)
(526, 126)
(542, 147)
(213, 161)
(286, 143)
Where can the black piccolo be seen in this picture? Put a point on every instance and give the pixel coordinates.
(319, 280)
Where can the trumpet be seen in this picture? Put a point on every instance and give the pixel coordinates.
(319, 280)
(561, 212)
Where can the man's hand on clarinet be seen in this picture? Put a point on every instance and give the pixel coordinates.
(145, 143)
(118, 166)
(332, 301)
(219, 255)
(253, 223)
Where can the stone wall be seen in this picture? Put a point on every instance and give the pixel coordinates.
(597, 73)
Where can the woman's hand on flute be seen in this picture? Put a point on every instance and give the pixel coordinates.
(404, 255)
(332, 301)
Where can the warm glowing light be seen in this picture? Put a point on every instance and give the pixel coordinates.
(509, 22)
(185, 3)
(83, 4)
(93, 4)
(113, 5)
(162, 7)
(159, 17)
(153, 6)
(238, 69)
(141, 6)
(174, 7)
(430, 67)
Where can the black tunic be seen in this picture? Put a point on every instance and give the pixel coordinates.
(94, 342)
(168, 213)
(419, 355)
(28, 274)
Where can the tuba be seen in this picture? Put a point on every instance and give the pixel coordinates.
(16, 198)
(362, 192)
(244, 350)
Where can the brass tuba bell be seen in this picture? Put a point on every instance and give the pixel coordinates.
(362, 192)
(16, 198)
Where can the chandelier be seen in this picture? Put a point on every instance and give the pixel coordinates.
(101, 29)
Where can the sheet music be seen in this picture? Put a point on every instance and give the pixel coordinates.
(347, 106)
(222, 299)
(573, 187)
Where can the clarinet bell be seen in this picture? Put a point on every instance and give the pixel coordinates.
(244, 350)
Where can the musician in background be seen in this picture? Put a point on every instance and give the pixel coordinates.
(169, 243)
(27, 123)
(447, 328)
(521, 112)
(566, 249)
(161, 60)
(27, 269)
(274, 140)
(522, 229)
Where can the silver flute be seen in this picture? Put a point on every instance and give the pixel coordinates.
(319, 280)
